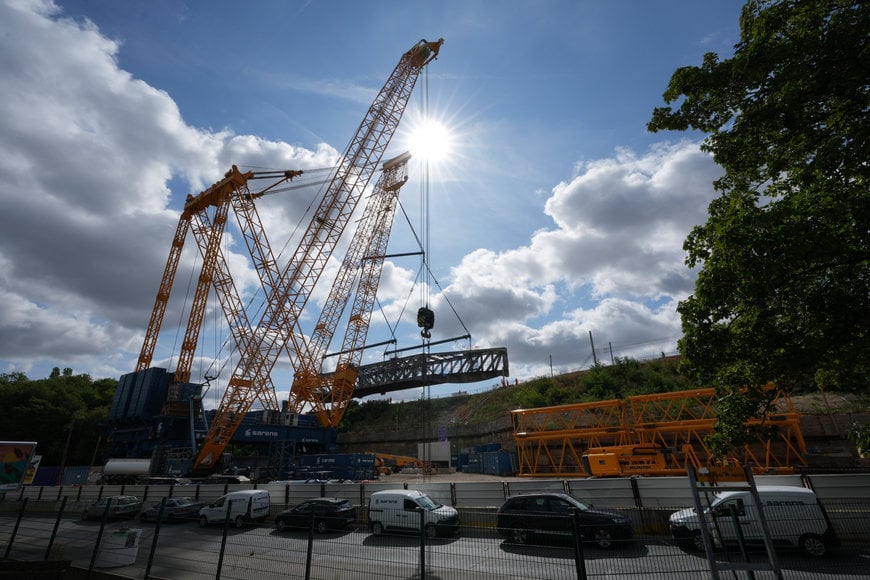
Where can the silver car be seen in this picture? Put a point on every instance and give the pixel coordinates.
(176, 509)
(120, 506)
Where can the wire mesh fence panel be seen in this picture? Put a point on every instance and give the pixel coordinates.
(485, 548)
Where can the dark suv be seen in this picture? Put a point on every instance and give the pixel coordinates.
(524, 516)
(325, 513)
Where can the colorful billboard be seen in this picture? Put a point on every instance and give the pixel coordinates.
(16, 457)
(31, 469)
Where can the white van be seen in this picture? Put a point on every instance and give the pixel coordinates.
(794, 517)
(249, 505)
(400, 509)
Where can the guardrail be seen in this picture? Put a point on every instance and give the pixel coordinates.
(635, 492)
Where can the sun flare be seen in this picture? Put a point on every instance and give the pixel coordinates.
(430, 141)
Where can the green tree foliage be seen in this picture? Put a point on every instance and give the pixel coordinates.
(782, 292)
(64, 407)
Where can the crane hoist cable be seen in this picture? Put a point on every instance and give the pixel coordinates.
(425, 315)
(424, 273)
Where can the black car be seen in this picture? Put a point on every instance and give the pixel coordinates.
(524, 516)
(176, 508)
(326, 513)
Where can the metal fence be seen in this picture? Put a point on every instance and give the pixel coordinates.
(51, 530)
(627, 493)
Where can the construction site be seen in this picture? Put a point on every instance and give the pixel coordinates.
(158, 413)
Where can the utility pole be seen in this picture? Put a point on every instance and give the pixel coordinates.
(65, 451)
(594, 357)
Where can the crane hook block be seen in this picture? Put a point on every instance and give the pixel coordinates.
(426, 321)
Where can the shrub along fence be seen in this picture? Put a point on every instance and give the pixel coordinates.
(482, 547)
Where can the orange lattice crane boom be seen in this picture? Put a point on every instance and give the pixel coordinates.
(361, 267)
(291, 289)
(207, 231)
(215, 196)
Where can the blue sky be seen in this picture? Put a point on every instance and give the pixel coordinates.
(554, 213)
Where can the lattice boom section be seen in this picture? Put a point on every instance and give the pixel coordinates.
(552, 440)
(578, 417)
(467, 366)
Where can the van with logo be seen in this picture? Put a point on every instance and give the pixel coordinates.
(794, 517)
(401, 509)
(245, 506)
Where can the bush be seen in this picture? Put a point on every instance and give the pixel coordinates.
(860, 435)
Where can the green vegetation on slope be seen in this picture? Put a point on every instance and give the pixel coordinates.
(626, 377)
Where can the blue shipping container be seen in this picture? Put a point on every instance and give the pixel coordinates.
(499, 463)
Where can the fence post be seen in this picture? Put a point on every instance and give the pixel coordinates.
(419, 511)
(741, 540)
(15, 529)
(229, 513)
(310, 546)
(56, 526)
(154, 539)
(100, 534)
(579, 561)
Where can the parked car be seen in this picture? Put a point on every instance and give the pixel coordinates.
(176, 508)
(327, 513)
(523, 516)
(120, 506)
(794, 516)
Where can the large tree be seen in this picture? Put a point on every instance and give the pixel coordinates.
(784, 262)
(65, 414)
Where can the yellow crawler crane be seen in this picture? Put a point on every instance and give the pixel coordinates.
(386, 463)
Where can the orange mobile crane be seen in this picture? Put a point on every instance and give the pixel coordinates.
(290, 288)
(286, 288)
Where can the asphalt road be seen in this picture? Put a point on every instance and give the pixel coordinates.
(186, 552)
